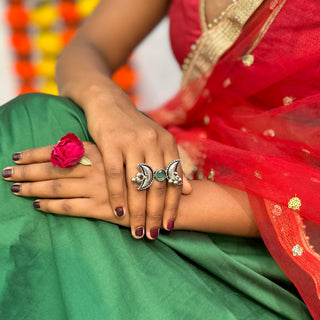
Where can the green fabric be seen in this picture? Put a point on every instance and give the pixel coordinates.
(55, 267)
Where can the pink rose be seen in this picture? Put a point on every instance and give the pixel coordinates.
(68, 152)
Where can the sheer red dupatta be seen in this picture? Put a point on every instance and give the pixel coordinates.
(253, 122)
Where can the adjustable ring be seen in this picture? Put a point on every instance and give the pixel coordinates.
(172, 173)
(144, 178)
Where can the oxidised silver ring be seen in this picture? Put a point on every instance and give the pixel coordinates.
(172, 173)
(144, 178)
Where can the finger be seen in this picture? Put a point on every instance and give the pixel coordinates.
(136, 198)
(78, 207)
(42, 171)
(173, 194)
(115, 179)
(41, 154)
(156, 196)
(59, 188)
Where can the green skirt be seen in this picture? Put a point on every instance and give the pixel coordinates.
(57, 267)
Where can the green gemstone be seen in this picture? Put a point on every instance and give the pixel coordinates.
(160, 174)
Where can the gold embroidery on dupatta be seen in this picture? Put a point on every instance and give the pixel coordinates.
(294, 203)
(296, 240)
(213, 43)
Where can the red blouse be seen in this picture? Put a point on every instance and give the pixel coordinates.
(185, 26)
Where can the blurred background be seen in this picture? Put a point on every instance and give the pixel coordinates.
(33, 32)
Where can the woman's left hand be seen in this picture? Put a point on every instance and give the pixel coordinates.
(80, 191)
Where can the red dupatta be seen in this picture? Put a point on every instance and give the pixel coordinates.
(253, 122)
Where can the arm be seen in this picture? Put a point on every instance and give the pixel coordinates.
(216, 208)
(102, 44)
(124, 136)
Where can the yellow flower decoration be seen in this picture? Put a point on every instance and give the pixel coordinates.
(294, 203)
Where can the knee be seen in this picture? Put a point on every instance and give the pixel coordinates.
(43, 107)
(40, 102)
(44, 112)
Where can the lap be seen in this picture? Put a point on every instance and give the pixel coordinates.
(57, 267)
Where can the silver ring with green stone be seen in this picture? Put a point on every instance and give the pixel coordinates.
(160, 175)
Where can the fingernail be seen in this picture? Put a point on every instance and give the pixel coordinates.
(15, 188)
(119, 211)
(154, 233)
(170, 225)
(7, 173)
(139, 232)
(36, 204)
(16, 156)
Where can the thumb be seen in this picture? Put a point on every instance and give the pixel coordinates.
(186, 187)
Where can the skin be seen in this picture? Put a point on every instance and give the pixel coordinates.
(124, 138)
(81, 191)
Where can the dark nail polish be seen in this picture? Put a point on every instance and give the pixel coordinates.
(119, 211)
(139, 232)
(170, 225)
(7, 173)
(15, 188)
(154, 233)
(16, 156)
(36, 204)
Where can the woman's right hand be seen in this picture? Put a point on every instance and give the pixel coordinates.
(126, 138)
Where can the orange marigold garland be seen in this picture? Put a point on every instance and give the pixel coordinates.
(39, 30)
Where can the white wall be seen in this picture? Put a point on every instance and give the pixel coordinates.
(160, 73)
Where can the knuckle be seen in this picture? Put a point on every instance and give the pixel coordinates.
(155, 216)
(27, 155)
(66, 207)
(171, 211)
(21, 172)
(114, 172)
(55, 187)
(131, 135)
(48, 168)
(115, 196)
(27, 189)
(137, 215)
(150, 134)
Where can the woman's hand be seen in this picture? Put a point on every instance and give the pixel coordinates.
(123, 135)
(127, 138)
(80, 191)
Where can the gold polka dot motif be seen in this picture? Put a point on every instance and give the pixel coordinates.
(248, 60)
(294, 203)
(297, 250)
(258, 174)
(287, 101)
(211, 175)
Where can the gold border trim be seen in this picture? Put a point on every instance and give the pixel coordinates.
(213, 43)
